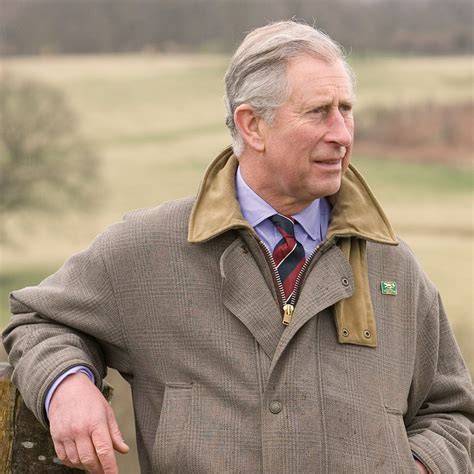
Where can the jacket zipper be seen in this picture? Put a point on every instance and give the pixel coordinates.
(287, 306)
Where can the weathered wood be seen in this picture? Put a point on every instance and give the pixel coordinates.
(6, 421)
(25, 445)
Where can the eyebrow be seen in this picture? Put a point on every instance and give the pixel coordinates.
(326, 101)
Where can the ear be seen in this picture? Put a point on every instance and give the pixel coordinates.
(250, 127)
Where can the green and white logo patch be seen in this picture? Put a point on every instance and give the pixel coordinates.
(388, 287)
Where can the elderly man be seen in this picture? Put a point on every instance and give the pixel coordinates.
(271, 324)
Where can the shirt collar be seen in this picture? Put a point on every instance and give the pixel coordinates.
(255, 210)
(253, 207)
(312, 217)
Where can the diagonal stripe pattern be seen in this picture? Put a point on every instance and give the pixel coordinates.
(288, 254)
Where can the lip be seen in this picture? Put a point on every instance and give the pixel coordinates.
(335, 163)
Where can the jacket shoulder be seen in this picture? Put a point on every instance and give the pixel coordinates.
(168, 213)
(147, 225)
(399, 263)
(394, 255)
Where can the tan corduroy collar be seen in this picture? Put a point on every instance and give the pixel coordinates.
(356, 217)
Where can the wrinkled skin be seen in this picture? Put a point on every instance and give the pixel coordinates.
(83, 426)
(303, 154)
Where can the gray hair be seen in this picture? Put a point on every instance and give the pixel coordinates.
(257, 71)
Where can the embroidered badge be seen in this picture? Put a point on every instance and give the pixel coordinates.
(388, 287)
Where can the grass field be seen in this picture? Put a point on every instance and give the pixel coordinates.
(158, 120)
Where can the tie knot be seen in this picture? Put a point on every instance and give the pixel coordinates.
(284, 225)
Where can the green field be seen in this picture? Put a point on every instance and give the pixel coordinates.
(156, 122)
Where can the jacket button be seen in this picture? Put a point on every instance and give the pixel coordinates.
(367, 334)
(275, 407)
(345, 281)
(345, 332)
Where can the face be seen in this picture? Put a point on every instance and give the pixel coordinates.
(308, 147)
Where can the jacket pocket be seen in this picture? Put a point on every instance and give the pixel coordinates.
(172, 437)
(400, 446)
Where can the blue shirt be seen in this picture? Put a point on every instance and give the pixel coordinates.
(311, 224)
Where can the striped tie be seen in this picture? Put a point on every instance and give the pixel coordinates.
(289, 255)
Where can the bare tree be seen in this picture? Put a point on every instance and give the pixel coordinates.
(44, 162)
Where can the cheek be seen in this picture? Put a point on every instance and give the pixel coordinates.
(346, 160)
(350, 126)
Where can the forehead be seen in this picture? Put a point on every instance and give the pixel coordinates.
(310, 77)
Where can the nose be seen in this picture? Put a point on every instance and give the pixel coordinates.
(340, 128)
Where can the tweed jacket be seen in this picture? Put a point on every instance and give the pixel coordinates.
(181, 300)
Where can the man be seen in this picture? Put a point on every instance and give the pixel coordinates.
(272, 324)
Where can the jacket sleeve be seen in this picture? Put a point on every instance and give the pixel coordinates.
(70, 319)
(439, 420)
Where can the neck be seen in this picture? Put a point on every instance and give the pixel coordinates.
(262, 184)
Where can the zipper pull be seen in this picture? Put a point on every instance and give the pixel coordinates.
(288, 313)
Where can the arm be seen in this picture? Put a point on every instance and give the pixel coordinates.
(57, 382)
(440, 415)
(70, 319)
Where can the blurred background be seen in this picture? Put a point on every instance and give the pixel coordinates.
(104, 99)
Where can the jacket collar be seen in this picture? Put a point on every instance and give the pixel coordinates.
(355, 211)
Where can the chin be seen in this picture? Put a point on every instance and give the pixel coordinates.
(330, 189)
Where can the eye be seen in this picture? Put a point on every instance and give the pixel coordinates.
(345, 109)
(320, 110)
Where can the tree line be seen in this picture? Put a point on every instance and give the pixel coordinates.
(110, 26)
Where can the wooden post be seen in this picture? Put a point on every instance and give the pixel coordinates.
(25, 445)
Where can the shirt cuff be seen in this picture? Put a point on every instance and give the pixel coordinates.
(72, 370)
